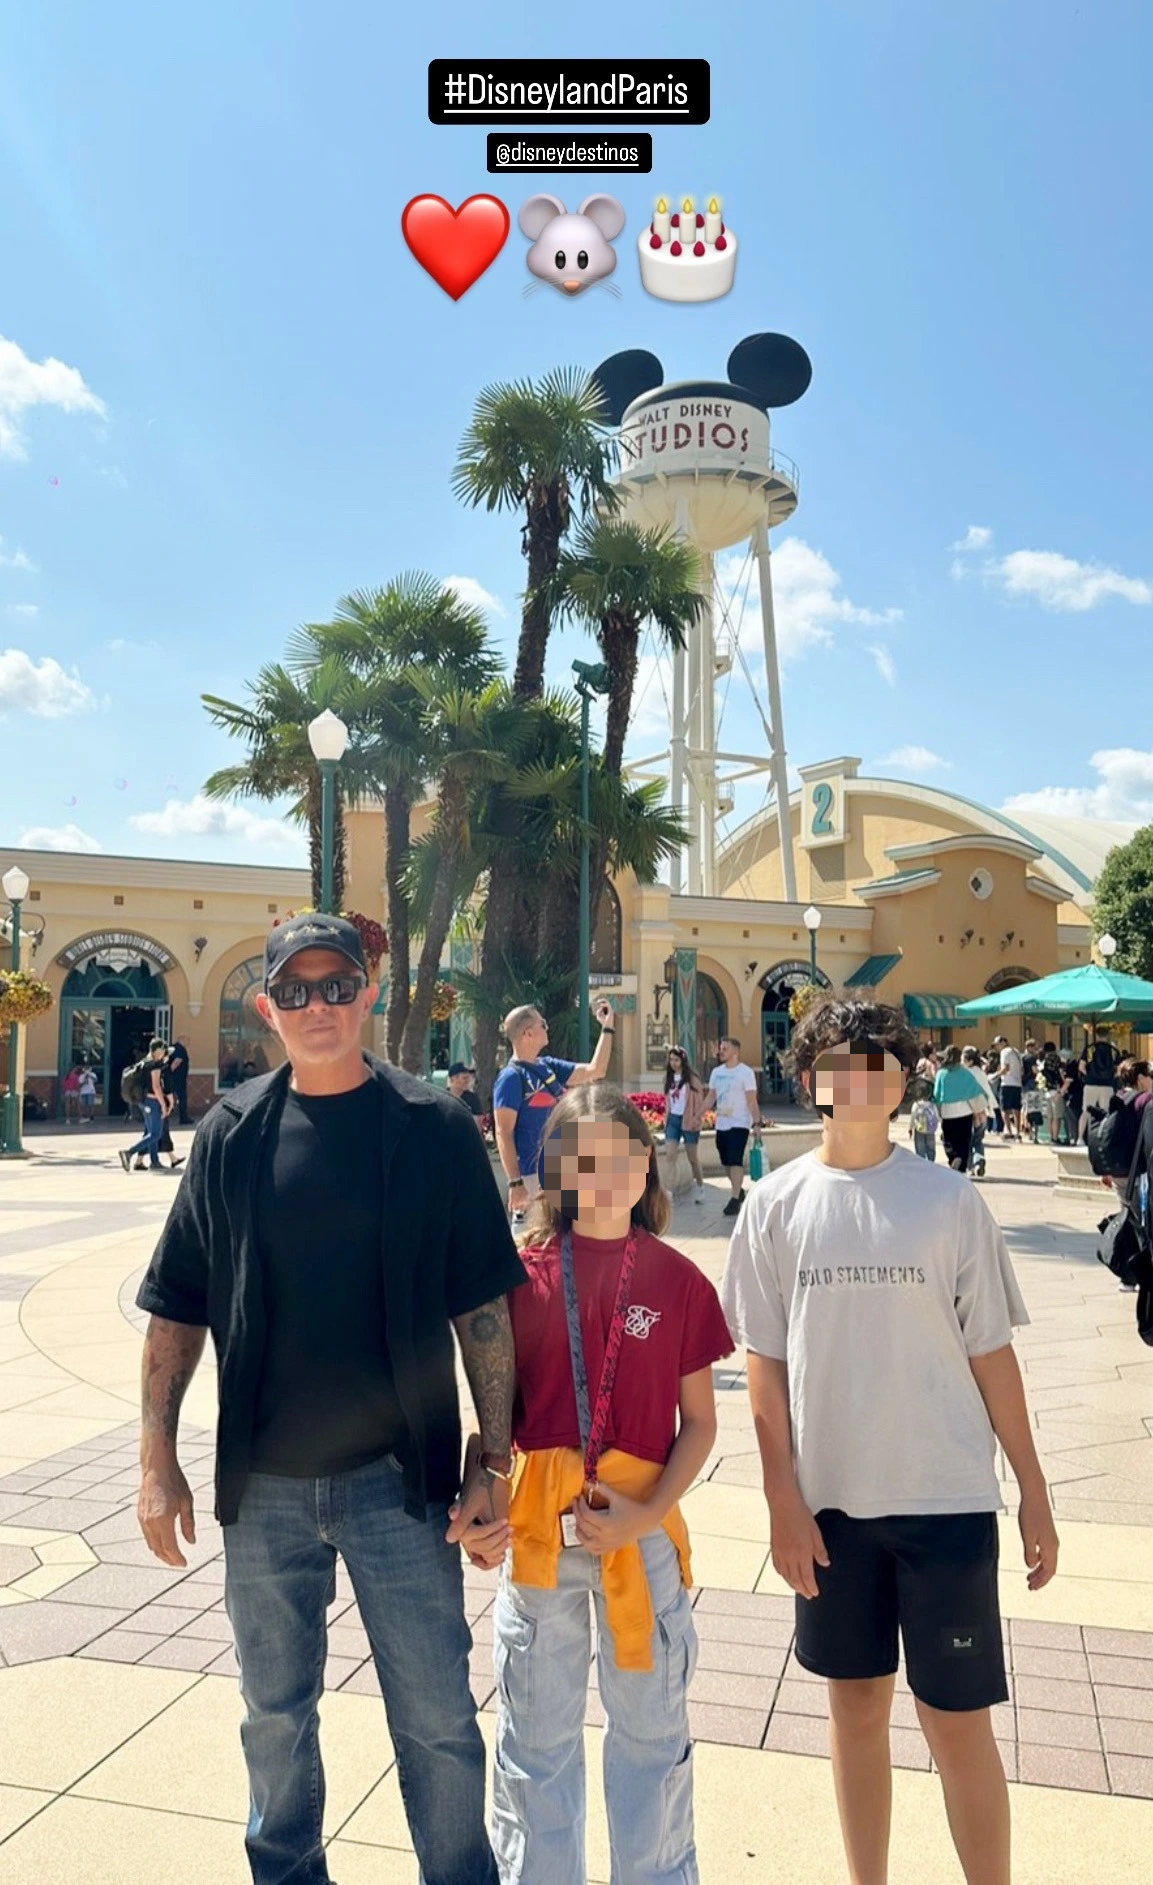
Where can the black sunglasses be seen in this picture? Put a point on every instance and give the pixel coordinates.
(336, 991)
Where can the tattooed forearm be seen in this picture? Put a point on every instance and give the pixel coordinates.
(171, 1352)
(485, 1337)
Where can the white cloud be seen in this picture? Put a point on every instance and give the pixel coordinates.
(1124, 790)
(1058, 583)
(914, 759)
(58, 838)
(474, 595)
(119, 645)
(886, 667)
(17, 560)
(25, 383)
(807, 605)
(202, 817)
(40, 687)
(23, 608)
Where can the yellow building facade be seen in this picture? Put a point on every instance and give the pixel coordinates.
(925, 899)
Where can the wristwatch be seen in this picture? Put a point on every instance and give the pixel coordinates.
(497, 1465)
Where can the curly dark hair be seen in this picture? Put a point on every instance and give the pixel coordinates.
(842, 1018)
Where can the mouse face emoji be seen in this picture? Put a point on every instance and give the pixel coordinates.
(571, 252)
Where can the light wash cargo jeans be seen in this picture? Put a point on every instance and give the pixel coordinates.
(541, 1651)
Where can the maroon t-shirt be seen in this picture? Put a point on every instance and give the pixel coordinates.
(674, 1327)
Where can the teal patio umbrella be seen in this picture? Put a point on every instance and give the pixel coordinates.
(1088, 993)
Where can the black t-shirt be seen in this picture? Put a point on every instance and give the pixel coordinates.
(1077, 1087)
(1101, 1065)
(468, 1098)
(326, 1402)
(178, 1063)
(1029, 1070)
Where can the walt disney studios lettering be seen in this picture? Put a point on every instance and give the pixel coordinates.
(651, 427)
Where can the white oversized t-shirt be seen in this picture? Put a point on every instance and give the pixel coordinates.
(876, 1287)
(730, 1084)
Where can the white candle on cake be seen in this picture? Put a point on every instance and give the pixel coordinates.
(688, 220)
(712, 219)
(662, 220)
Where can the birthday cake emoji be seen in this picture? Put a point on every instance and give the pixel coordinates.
(687, 254)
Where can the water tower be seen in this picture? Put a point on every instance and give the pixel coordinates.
(695, 456)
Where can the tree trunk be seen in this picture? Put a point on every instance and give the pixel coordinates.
(397, 822)
(452, 819)
(547, 519)
(619, 640)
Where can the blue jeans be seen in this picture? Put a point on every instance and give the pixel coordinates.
(977, 1152)
(150, 1143)
(925, 1145)
(280, 1576)
(541, 1654)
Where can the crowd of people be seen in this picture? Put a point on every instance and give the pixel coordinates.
(305, 1235)
(1023, 1096)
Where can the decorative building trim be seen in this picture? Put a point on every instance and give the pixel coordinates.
(897, 886)
(965, 841)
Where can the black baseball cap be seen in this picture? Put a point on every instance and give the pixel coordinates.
(312, 931)
(458, 1066)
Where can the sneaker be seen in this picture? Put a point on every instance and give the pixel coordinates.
(126, 1160)
(733, 1206)
(698, 1194)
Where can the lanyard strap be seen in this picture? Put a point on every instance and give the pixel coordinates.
(594, 1421)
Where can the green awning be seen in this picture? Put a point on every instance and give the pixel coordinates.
(873, 970)
(934, 1011)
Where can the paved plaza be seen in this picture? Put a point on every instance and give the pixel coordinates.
(119, 1751)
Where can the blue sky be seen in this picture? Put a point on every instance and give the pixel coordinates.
(254, 395)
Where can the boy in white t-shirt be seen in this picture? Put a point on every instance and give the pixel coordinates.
(733, 1091)
(876, 1298)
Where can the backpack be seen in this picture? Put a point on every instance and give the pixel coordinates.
(1112, 1141)
(136, 1081)
(1120, 1247)
(1100, 1065)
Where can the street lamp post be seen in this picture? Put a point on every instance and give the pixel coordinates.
(15, 883)
(328, 737)
(592, 678)
(812, 922)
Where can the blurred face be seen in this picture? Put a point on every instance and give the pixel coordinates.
(729, 1054)
(459, 1082)
(857, 1084)
(318, 1035)
(594, 1171)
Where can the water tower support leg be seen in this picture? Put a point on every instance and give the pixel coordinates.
(779, 766)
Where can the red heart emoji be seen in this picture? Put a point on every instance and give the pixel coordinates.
(455, 246)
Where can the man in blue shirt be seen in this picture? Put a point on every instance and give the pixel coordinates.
(529, 1087)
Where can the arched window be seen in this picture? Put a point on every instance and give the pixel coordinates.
(102, 980)
(712, 1022)
(246, 1047)
(1009, 978)
(605, 951)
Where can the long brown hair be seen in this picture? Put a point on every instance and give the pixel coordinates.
(688, 1077)
(607, 1105)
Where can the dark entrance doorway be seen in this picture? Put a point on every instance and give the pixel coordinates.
(129, 1034)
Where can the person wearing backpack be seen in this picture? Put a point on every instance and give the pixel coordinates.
(1134, 1086)
(528, 1088)
(1100, 1080)
(143, 1086)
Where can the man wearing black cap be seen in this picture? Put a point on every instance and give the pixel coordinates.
(460, 1079)
(304, 1237)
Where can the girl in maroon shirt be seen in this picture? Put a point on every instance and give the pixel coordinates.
(657, 1321)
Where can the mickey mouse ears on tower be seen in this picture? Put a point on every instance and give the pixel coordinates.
(773, 368)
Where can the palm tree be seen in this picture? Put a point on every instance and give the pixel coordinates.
(545, 789)
(541, 449)
(471, 741)
(613, 579)
(274, 725)
(386, 635)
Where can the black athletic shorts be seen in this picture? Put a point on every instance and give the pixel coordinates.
(933, 1579)
(731, 1143)
(1010, 1098)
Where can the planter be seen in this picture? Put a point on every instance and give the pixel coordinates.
(1077, 1179)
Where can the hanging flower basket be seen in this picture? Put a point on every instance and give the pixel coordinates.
(806, 997)
(443, 1001)
(23, 996)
